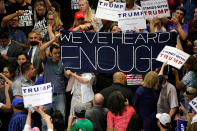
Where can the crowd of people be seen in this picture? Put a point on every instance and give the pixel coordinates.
(30, 54)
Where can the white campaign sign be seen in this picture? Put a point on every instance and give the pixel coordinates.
(193, 104)
(109, 11)
(173, 56)
(153, 8)
(37, 95)
(128, 20)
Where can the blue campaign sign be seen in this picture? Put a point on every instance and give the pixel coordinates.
(181, 125)
(111, 52)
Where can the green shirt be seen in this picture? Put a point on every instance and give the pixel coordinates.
(84, 125)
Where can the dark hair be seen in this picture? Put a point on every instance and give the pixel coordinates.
(167, 126)
(4, 34)
(116, 102)
(22, 53)
(53, 46)
(192, 60)
(25, 67)
(181, 9)
(81, 114)
(135, 123)
(58, 120)
(19, 107)
(11, 69)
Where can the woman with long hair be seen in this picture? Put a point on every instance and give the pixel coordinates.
(21, 58)
(54, 24)
(89, 16)
(41, 8)
(145, 100)
(119, 111)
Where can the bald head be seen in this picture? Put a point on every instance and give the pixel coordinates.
(119, 77)
(98, 99)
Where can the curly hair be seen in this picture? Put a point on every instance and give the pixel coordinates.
(116, 102)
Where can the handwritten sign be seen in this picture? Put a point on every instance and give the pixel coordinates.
(128, 20)
(37, 95)
(113, 52)
(109, 11)
(153, 8)
(173, 56)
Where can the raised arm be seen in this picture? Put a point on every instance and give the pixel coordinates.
(162, 68)
(79, 78)
(9, 17)
(47, 44)
(7, 105)
(179, 84)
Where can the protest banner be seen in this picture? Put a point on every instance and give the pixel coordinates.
(128, 20)
(109, 11)
(181, 125)
(111, 52)
(193, 104)
(173, 56)
(37, 95)
(153, 8)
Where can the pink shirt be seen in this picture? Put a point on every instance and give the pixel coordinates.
(120, 122)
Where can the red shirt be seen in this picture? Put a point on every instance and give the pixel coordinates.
(120, 122)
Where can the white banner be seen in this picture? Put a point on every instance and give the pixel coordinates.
(193, 104)
(173, 56)
(153, 8)
(37, 95)
(109, 11)
(128, 20)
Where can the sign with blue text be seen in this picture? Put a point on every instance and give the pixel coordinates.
(129, 20)
(112, 52)
(155, 8)
(193, 104)
(37, 95)
(109, 11)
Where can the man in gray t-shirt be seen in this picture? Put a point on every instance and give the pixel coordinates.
(54, 72)
(28, 72)
(168, 101)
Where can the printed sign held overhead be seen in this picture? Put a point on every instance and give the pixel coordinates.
(37, 95)
(153, 8)
(109, 11)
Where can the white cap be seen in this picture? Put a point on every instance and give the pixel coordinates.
(164, 118)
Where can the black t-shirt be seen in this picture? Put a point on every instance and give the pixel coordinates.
(26, 21)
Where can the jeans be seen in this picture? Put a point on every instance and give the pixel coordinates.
(58, 103)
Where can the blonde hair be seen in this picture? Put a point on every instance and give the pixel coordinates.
(151, 80)
(190, 93)
(58, 23)
(41, 2)
(89, 11)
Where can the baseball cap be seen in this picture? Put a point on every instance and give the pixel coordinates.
(164, 118)
(79, 108)
(79, 14)
(17, 102)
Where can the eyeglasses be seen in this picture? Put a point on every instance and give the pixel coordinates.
(5, 72)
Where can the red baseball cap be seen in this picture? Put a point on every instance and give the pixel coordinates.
(79, 14)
